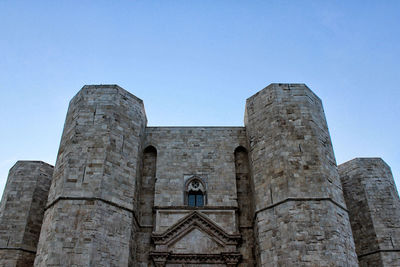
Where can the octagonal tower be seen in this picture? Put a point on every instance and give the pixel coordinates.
(300, 214)
(90, 218)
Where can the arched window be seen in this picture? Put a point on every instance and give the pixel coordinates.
(195, 193)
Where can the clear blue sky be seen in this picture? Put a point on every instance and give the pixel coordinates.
(195, 63)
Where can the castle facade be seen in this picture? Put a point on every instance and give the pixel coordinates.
(266, 194)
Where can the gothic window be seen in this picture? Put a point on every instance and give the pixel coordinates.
(195, 199)
(195, 193)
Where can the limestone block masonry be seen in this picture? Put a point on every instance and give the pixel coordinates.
(300, 214)
(90, 218)
(374, 208)
(21, 211)
(266, 194)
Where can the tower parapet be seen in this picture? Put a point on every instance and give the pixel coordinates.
(300, 214)
(92, 209)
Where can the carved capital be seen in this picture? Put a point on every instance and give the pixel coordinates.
(231, 258)
(159, 258)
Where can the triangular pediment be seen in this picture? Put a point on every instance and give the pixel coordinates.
(203, 224)
(195, 241)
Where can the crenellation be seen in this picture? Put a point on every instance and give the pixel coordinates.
(266, 194)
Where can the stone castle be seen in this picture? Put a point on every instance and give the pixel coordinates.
(266, 194)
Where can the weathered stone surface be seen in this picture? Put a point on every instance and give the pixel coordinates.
(21, 211)
(85, 233)
(99, 150)
(295, 181)
(205, 152)
(305, 233)
(267, 194)
(93, 196)
(374, 209)
(146, 204)
(11, 258)
(245, 204)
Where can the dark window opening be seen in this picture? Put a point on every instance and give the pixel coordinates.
(195, 199)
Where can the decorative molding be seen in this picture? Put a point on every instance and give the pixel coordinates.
(231, 258)
(195, 220)
(159, 258)
(228, 258)
(185, 208)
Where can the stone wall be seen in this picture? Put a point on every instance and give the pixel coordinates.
(209, 154)
(272, 191)
(301, 217)
(21, 211)
(374, 209)
(204, 151)
(92, 205)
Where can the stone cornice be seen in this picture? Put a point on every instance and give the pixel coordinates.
(195, 208)
(19, 248)
(136, 220)
(229, 258)
(299, 199)
(378, 251)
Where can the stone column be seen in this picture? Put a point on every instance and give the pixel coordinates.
(374, 209)
(21, 211)
(92, 200)
(300, 214)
